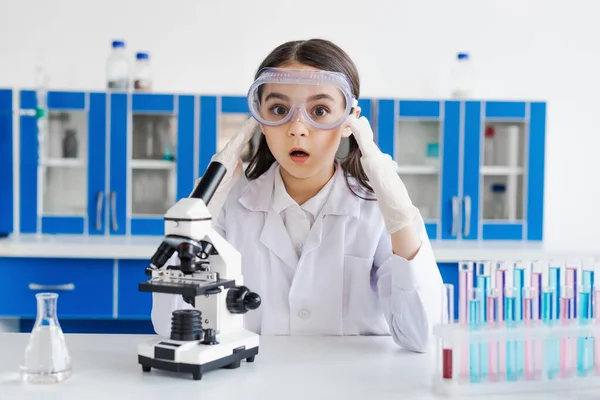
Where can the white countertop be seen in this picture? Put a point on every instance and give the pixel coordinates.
(143, 247)
(345, 368)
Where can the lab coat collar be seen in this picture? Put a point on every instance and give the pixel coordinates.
(282, 200)
(258, 194)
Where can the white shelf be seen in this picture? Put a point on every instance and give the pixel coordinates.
(63, 163)
(152, 164)
(418, 169)
(501, 170)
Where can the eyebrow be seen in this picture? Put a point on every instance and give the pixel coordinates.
(280, 96)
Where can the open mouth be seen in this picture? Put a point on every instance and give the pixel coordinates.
(299, 155)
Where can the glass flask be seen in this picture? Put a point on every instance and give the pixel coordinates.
(46, 358)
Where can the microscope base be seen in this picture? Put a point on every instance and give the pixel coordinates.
(196, 358)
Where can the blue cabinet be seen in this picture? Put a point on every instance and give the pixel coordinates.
(106, 164)
(84, 286)
(152, 140)
(6, 163)
(517, 173)
(62, 170)
(133, 304)
(475, 169)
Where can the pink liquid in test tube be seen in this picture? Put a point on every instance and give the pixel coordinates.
(465, 286)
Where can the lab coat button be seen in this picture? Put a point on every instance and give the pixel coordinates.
(304, 314)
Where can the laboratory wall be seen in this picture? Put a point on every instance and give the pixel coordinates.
(521, 49)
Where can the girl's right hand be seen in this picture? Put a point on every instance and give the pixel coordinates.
(230, 155)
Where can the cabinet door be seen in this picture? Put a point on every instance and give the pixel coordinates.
(422, 137)
(503, 170)
(152, 159)
(132, 303)
(6, 163)
(84, 286)
(62, 165)
(221, 117)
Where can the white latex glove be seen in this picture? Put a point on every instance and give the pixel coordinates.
(396, 207)
(230, 157)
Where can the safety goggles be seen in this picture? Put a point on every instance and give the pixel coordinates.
(323, 99)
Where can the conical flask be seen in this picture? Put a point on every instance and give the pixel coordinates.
(46, 358)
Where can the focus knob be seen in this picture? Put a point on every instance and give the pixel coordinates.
(240, 300)
(252, 301)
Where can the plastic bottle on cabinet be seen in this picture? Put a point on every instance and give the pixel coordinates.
(143, 72)
(462, 77)
(118, 67)
(498, 201)
(489, 151)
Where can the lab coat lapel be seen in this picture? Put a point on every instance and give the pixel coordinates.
(259, 197)
(340, 202)
(276, 238)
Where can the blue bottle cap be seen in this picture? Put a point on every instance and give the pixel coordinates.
(118, 43)
(142, 56)
(463, 56)
(498, 188)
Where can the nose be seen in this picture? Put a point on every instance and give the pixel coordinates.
(298, 125)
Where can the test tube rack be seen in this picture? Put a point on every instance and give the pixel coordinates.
(522, 327)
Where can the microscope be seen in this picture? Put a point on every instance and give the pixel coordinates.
(210, 334)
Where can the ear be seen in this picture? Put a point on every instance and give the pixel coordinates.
(346, 130)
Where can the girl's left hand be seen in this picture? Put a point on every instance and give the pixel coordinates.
(396, 206)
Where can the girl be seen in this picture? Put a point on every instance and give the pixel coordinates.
(333, 247)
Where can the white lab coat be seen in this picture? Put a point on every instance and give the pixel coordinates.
(347, 280)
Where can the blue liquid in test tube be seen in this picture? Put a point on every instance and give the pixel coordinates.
(474, 348)
(519, 276)
(585, 359)
(547, 304)
(511, 346)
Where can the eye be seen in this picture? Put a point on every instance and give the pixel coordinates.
(320, 111)
(278, 110)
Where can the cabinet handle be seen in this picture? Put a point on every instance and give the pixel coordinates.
(454, 216)
(467, 215)
(113, 211)
(66, 286)
(99, 210)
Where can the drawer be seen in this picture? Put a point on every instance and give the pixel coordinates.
(84, 286)
(133, 304)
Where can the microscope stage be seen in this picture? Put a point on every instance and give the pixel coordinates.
(196, 358)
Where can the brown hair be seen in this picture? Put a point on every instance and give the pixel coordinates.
(324, 55)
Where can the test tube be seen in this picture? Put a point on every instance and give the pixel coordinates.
(548, 309)
(567, 311)
(483, 273)
(528, 295)
(509, 319)
(465, 285)
(474, 297)
(583, 283)
(522, 272)
(501, 268)
(537, 269)
(596, 315)
(447, 318)
(554, 274)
